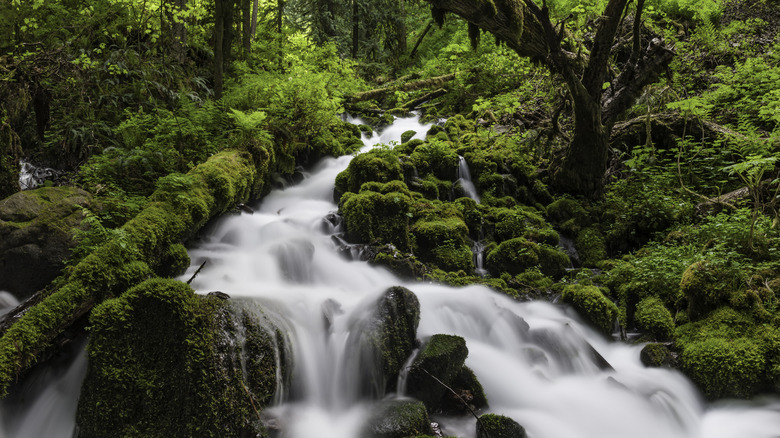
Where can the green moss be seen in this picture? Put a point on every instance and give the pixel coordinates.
(378, 164)
(200, 389)
(443, 357)
(406, 136)
(437, 158)
(398, 419)
(499, 426)
(515, 256)
(724, 367)
(591, 246)
(591, 304)
(180, 205)
(372, 217)
(656, 355)
(569, 214)
(443, 243)
(708, 285)
(654, 319)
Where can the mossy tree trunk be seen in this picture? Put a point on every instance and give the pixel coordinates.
(527, 29)
(10, 153)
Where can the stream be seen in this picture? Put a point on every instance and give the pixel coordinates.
(545, 378)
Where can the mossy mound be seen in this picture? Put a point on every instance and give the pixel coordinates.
(378, 164)
(372, 217)
(442, 242)
(656, 355)
(437, 158)
(727, 354)
(385, 341)
(515, 256)
(654, 319)
(167, 362)
(569, 214)
(398, 419)
(592, 305)
(499, 426)
(38, 230)
(441, 358)
(591, 246)
(709, 285)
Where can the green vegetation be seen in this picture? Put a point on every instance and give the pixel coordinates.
(659, 167)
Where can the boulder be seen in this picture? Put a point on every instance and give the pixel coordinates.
(37, 229)
(439, 363)
(398, 419)
(384, 341)
(499, 426)
(164, 361)
(592, 305)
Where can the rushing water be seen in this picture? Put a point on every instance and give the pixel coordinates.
(534, 360)
(545, 377)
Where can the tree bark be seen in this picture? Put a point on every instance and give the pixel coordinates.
(425, 31)
(219, 28)
(246, 26)
(355, 27)
(527, 29)
(253, 27)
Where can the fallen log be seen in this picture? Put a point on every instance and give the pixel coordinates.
(377, 93)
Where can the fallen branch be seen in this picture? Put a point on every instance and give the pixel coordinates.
(425, 98)
(197, 272)
(377, 93)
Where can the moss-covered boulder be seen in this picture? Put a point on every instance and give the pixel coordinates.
(654, 319)
(398, 419)
(379, 164)
(569, 214)
(442, 241)
(727, 354)
(377, 218)
(468, 390)
(591, 246)
(656, 355)
(592, 305)
(384, 341)
(37, 234)
(499, 426)
(441, 358)
(437, 158)
(164, 361)
(708, 285)
(515, 256)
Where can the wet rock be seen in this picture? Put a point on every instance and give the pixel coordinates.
(499, 426)
(398, 419)
(656, 355)
(385, 340)
(439, 363)
(164, 361)
(469, 395)
(37, 229)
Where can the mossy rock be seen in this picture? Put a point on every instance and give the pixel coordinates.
(437, 158)
(38, 231)
(515, 256)
(468, 390)
(384, 341)
(592, 305)
(379, 164)
(339, 139)
(398, 419)
(591, 246)
(372, 217)
(441, 357)
(458, 126)
(499, 426)
(164, 361)
(407, 135)
(570, 215)
(656, 355)
(723, 367)
(654, 319)
(443, 243)
(708, 285)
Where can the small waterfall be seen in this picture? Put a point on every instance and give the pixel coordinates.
(478, 249)
(31, 176)
(464, 179)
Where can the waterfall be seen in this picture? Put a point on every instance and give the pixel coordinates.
(545, 377)
(535, 360)
(464, 179)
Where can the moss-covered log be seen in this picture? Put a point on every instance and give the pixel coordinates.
(180, 205)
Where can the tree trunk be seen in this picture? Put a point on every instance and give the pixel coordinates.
(219, 28)
(526, 28)
(179, 32)
(400, 30)
(355, 28)
(425, 31)
(246, 26)
(253, 27)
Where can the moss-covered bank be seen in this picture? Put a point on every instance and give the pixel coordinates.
(181, 204)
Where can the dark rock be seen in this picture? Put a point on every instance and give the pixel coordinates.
(37, 229)
(438, 364)
(398, 419)
(657, 355)
(470, 395)
(385, 340)
(499, 426)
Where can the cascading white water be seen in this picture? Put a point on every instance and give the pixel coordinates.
(464, 179)
(545, 377)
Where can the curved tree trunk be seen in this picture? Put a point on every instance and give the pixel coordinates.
(527, 29)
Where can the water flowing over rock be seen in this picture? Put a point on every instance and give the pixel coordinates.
(435, 368)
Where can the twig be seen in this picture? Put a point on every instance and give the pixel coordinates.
(197, 272)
